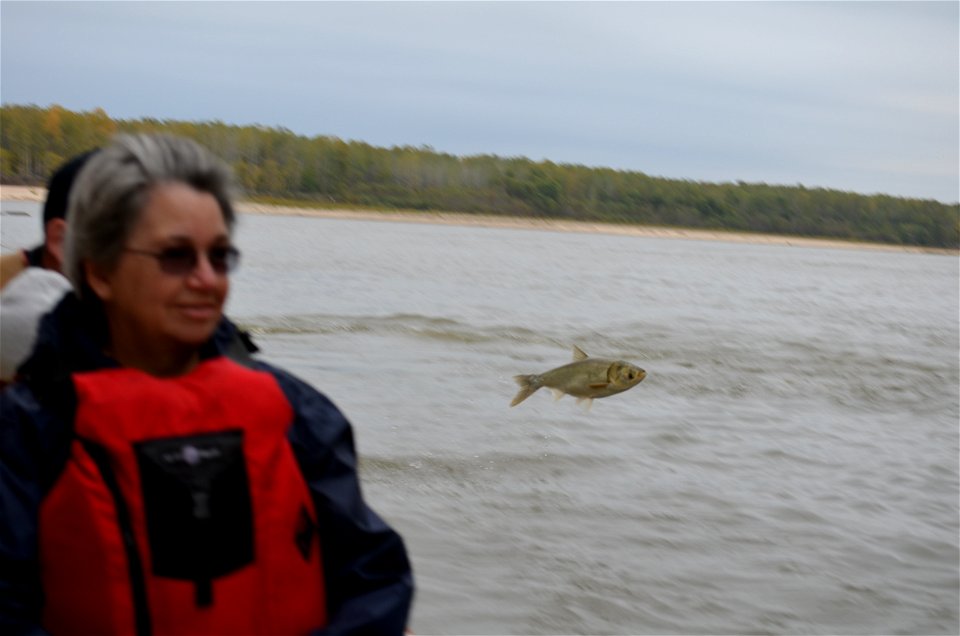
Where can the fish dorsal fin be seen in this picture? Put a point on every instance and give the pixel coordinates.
(578, 353)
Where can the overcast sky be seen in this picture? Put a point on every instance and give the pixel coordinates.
(859, 96)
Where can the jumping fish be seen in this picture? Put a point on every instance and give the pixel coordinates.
(585, 378)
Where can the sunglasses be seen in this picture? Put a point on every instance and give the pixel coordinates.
(182, 260)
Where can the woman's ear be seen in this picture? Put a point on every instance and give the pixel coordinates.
(98, 280)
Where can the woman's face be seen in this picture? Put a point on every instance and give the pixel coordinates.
(153, 311)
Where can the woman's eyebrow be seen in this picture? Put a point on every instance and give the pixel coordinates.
(183, 239)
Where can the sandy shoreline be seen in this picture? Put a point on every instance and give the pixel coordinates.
(37, 194)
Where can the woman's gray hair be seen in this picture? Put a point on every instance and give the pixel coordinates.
(108, 198)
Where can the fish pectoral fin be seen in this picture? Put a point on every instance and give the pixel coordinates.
(578, 353)
(599, 385)
(557, 394)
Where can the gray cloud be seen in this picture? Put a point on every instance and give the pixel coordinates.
(858, 96)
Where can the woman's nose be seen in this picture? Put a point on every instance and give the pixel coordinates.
(203, 274)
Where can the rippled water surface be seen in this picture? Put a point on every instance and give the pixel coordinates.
(790, 464)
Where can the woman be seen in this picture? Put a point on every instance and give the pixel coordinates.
(149, 482)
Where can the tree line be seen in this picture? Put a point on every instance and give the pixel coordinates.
(277, 164)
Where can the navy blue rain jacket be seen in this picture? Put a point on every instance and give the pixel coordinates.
(369, 580)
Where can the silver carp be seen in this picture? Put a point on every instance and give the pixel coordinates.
(585, 378)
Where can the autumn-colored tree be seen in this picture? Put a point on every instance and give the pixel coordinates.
(324, 170)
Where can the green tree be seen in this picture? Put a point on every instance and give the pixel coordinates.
(279, 163)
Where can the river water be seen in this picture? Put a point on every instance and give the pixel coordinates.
(790, 464)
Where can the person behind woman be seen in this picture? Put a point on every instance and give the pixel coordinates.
(49, 254)
(30, 280)
(148, 482)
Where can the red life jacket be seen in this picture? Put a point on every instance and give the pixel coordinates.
(181, 510)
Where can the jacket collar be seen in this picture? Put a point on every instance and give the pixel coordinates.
(73, 336)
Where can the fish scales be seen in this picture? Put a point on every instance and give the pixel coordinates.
(576, 378)
(585, 378)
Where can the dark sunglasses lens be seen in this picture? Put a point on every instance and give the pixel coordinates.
(183, 260)
(223, 259)
(177, 260)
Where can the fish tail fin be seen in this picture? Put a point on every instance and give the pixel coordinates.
(528, 385)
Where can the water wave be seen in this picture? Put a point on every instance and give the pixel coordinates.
(427, 467)
(411, 325)
(726, 366)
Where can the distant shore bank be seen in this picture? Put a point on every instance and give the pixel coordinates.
(37, 194)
